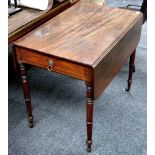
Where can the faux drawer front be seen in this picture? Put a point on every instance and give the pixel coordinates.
(53, 64)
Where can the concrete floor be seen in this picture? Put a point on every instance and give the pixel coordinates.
(59, 112)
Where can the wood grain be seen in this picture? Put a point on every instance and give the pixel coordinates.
(26, 91)
(89, 113)
(108, 65)
(60, 65)
(39, 19)
(81, 33)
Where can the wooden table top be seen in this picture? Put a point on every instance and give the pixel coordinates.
(83, 33)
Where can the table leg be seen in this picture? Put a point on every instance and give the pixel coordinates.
(89, 114)
(131, 69)
(134, 70)
(26, 91)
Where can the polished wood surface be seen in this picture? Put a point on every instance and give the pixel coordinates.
(89, 113)
(26, 91)
(115, 58)
(22, 18)
(59, 65)
(88, 42)
(81, 33)
(15, 31)
(131, 69)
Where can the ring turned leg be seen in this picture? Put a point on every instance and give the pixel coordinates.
(26, 91)
(89, 114)
(131, 69)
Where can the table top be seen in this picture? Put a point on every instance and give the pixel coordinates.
(82, 33)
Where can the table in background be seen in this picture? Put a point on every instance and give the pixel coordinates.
(38, 18)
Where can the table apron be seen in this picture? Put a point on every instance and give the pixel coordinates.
(59, 65)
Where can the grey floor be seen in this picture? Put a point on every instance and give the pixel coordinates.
(59, 112)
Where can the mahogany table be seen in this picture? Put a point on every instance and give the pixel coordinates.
(87, 42)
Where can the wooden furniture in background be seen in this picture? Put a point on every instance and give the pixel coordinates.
(13, 9)
(88, 42)
(28, 19)
(20, 23)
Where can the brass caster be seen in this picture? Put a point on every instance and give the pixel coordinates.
(89, 143)
(31, 125)
(88, 150)
(127, 89)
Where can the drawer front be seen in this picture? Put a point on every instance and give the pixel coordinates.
(52, 63)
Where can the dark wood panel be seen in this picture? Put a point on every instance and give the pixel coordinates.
(108, 67)
(59, 65)
(81, 33)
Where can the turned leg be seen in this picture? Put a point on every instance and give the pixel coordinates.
(89, 114)
(26, 91)
(131, 69)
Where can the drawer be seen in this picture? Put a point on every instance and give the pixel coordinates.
(52, 63)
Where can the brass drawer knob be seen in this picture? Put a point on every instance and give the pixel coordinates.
(50, 65)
